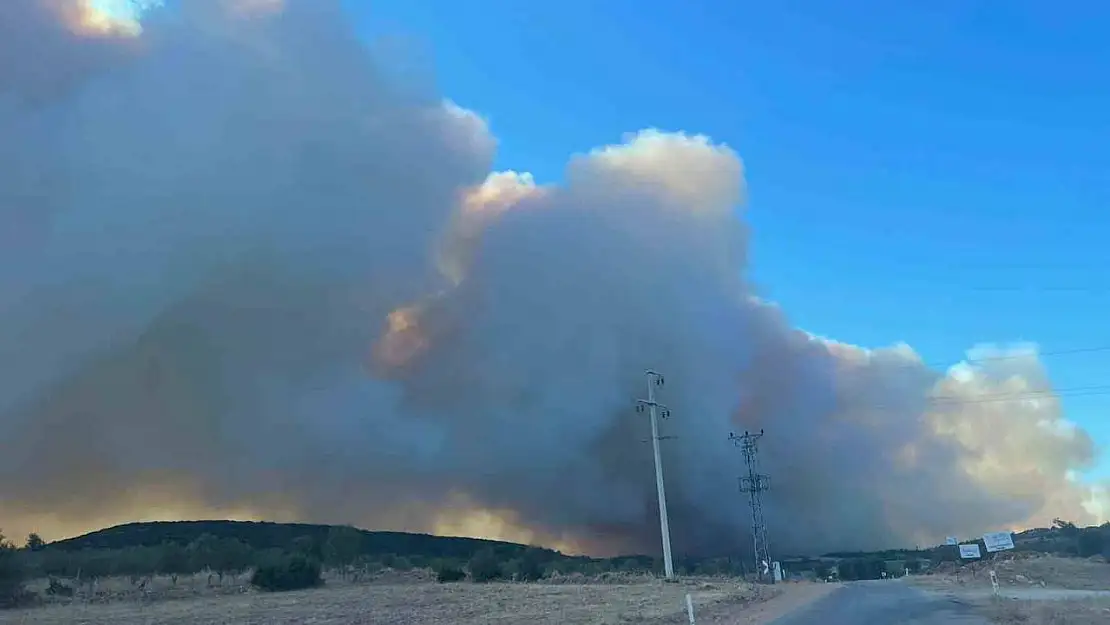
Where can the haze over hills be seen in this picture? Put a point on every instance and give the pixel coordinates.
(257, 276)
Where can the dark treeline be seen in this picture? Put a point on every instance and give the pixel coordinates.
(233, 546)
(890, 554)
(1063, 539)
(286, 556)
(263, 535)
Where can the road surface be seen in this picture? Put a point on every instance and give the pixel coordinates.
(883, 602)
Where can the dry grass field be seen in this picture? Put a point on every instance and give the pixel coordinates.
(1056, 572)
(1044, 582)
(404, 599)
(1055, 612)
(1029, 570)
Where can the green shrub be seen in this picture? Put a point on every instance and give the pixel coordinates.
(289, 573)
(58, 589)
(484, 567)
(529, 567)
(822, 570)
(1090, 542)
(12, 576)
(446, 573)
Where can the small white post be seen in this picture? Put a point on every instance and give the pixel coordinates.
(690, 608)
(994, 582)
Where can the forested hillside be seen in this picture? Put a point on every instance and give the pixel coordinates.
(285, 536)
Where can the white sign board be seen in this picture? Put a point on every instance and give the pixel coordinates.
(970, 551)
(951, 540)
(998, 541)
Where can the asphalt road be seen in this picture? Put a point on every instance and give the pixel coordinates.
(885, 602)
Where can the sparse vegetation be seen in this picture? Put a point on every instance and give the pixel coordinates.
(12, 575)
(446, 573)
(285, 556)
(295, 572)
(278, 556)
(485, 567)
(1064, 538)
(411, 600)
(35, 542)
(1062, 612)
(342, 546)
(861, 568)
(528, 568)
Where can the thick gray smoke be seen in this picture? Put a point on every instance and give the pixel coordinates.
(245, 272)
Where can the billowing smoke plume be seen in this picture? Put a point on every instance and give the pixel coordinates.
(246, 272)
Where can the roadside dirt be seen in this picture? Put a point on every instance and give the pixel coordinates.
(1033, 589)
(789, 597)
(1058, 611)
(1026, 571)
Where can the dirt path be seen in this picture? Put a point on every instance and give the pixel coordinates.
(791, 597)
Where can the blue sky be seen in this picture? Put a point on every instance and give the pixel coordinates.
(930, 172)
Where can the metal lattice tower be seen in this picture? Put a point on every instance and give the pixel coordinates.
(755, 484)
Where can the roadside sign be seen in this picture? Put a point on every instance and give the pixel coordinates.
(998, 541)
(951, 540)
(970, 551)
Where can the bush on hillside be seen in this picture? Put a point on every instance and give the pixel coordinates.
(485, 567)
(12, 576)
(528, 568)
(447, 573)
(289, 573)
(1090, 542)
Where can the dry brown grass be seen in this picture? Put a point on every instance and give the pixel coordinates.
(1059, 612)
(1027, 570)
(405, 600)
(1055, 572)
(163, 587)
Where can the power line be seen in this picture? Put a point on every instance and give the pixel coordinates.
(916, 271)
(936, 365)
(1088, 288)
(1031, 354)
(943, 402)
(944, 364)
(1002, 397)
(1030, 393)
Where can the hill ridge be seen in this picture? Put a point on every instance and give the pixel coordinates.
(271, 535)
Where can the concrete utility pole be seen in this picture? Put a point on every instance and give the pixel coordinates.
(755, 484)
(658, 410)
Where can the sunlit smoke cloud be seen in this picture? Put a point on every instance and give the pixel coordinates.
(261, 277)
(51, 46)
(105, 17)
